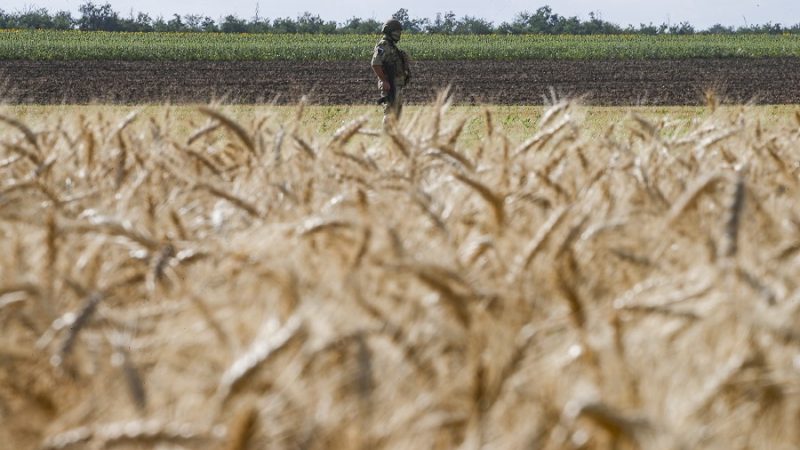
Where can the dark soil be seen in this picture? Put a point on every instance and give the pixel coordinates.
(647, 82)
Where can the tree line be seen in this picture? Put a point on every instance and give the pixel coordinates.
(97, 17)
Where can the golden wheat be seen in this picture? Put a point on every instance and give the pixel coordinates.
(168, 284)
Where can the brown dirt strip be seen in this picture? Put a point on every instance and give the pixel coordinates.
(646, 82)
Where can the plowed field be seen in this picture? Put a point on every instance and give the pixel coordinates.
(618, 82)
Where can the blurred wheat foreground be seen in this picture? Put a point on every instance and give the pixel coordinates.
(250, 284)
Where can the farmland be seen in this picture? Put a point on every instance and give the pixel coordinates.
(68, 45)
(44, 67)
(211, 242)
(222, 278)
(526, 82)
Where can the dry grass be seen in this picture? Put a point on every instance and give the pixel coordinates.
(253, 284)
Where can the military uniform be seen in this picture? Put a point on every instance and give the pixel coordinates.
(395, 64)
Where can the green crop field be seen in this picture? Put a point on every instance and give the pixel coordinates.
(70, 45)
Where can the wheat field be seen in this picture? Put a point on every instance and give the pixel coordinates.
(233, 284)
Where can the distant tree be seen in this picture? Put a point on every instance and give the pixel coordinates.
(330, 27)
(569, 25)
(767, 28)
(311, 23)
(160, 25)
(284, 25)
(409, 25)
(208, 25)
(402, 16)
(233, 24)
(360, 26)
(473, 25)
(542, 21)
(63, 21)
(720, 29)
(98, 18)
(176, 23)
(143, 22)
(596, 25)
(651, 29)
(38, 18)
(259, 25)
(192, 22)
(506, 28)
(34, 19)
(442, 24)
(681, 28)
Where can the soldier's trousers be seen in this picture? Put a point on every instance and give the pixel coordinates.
(394, 107)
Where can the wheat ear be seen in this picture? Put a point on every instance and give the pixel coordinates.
(232, 125)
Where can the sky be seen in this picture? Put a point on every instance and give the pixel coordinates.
(700, 13)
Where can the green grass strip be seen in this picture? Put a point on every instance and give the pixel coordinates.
(76, 45)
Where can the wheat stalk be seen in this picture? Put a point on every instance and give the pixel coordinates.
(76, 323)
(542, 138)
(447, 150)
(317, 225)
(424, 202)
(30, 136)
(207, 162)
(238, 202)
(536, 244)
(242, 429)
(457, 303)
(230, 124)
(10, 161)
(133, 379)
(305, 146)
(612, 421)
(495, 201)
(272, 338)
(111, 227)
(691, 195)
(734, 219)
(489, 123)
(346, 132)
(204, 131)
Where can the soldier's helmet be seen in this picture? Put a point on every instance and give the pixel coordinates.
(391, 25)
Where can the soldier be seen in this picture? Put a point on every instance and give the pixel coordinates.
(390, 64)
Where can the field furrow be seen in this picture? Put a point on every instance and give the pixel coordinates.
(601, 82)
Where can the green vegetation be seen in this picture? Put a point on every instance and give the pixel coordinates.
(71, 45)
(96, 17)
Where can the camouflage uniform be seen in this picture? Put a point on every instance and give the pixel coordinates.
(395, 65)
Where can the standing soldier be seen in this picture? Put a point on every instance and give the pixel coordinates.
(390, 64)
